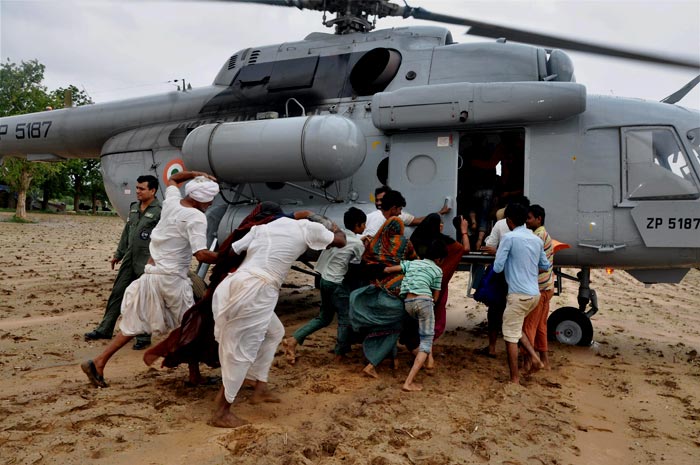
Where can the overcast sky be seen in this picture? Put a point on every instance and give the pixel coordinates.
(119, 49)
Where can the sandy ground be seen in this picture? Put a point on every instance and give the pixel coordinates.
(630, 399)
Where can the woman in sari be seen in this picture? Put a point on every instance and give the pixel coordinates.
(193, 342)
(376, 310)
(426, 232)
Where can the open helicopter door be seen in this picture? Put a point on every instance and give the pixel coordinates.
(423, 167)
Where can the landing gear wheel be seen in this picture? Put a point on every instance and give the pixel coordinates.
(569, 325)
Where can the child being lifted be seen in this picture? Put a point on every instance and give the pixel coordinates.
(420, 288)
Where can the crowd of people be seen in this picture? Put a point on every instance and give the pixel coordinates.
(385, 288)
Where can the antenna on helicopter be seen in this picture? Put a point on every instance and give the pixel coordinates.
(185, 85)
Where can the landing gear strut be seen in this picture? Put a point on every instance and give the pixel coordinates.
(571, 325)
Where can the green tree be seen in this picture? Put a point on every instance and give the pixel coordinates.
(21, 91)
(71, 175)
(94, 186)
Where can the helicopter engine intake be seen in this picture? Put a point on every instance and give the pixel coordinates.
(324, 147)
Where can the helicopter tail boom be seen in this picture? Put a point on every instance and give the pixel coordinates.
(81, 132)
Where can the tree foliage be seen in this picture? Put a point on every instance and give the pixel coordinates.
(22, 91)
(21, 88)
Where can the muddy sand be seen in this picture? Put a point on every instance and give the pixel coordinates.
(632, 398)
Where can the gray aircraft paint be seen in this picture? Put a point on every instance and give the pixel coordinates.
(573, 161)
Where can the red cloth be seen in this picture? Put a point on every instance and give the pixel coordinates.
(535, 324)
(448, 267)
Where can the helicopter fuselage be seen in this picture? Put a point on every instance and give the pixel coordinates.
(319, 124)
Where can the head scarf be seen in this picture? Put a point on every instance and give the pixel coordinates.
(201, 189)
(389, 246)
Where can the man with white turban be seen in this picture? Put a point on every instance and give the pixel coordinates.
(245, 324)
(156, 301)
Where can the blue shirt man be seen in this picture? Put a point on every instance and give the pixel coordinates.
(520, 255)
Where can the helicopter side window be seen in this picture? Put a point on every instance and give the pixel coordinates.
(252, 75)
(657, 166)
(293, 74)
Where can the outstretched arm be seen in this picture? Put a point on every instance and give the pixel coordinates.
(206, 256)
(392, 269)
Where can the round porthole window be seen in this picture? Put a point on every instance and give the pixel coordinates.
(421, 170)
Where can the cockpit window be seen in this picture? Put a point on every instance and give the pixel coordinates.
(657, 166)
(694, 138)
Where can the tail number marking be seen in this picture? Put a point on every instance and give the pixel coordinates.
(673, 223)
(35, 130)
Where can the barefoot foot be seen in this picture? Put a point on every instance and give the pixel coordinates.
(149, 358)
(535, 368)
(290, 344)
(249, 383)
(267, 396)
(412, 387)
(430, 363)
(227, 420)
(370, 371)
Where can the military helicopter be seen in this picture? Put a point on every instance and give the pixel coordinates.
(319, 123)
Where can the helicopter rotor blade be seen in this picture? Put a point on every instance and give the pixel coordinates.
(483, 29)
(301, 4)
(383, 8)
(682, 92)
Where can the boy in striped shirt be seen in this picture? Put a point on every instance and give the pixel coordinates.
(420, 288)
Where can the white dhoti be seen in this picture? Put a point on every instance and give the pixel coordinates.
(246, 328)
(155, 303)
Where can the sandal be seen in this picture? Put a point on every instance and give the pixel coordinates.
(95, 378)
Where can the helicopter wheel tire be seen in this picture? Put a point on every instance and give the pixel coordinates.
(569, 325)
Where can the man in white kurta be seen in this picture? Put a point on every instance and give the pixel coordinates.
(156, 301)
(246, 327)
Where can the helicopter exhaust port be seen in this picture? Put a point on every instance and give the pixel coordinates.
(326, 147)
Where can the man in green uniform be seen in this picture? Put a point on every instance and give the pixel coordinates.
(133, 254)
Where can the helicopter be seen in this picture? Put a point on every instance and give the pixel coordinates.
(321, 122)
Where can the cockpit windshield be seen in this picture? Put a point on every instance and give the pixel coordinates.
(694, 138)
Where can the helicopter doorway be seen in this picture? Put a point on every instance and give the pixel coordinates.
(491, 173)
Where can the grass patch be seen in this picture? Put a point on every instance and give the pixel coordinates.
(17, 219)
